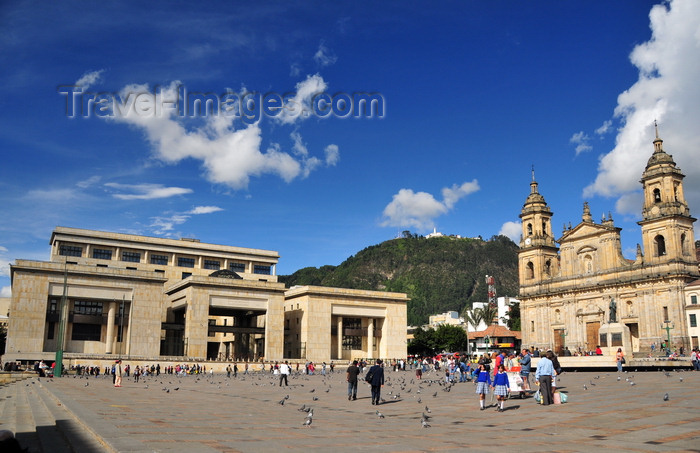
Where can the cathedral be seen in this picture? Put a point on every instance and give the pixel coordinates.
(580, 292)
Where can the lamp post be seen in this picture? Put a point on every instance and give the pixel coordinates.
(62, 319)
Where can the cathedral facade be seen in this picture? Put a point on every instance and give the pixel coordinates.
(574, 288)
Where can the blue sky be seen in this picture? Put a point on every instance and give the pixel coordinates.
(475, 93)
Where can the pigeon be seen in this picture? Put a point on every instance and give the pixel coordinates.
(380, 415)
(302, 408)
(426, 417)
(312, 390)
(666, 397)
(281, 402)
(419, 400)
(585, 387)
(427, 409)
(315, 398)
(618, 378)
(434, 394)
(310, 414)
(424, 423)
(307, 422)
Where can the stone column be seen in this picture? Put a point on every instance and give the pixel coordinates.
(110, 327)
(340, 338)
(370, 339)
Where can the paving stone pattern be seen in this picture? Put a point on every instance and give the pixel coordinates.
(217, 414)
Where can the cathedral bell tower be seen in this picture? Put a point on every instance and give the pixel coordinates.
(538, 255)
(667, 227)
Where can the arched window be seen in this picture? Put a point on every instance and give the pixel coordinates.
(660, 245)
(657, 196)
(684, 245)
(548, 268)
(544, 227)
(530, 270)
(529, 229)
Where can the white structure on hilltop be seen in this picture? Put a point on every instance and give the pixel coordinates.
(434, 234)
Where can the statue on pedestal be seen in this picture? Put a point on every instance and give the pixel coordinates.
(613, 311)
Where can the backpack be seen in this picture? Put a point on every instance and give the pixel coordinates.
(369, 376)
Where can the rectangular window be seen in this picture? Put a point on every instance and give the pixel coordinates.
(237, 267)
(85, 307)
(70, 250)
(694, 299)
(616, 339)
(186, 274)
(693, 321)
(665, 314)
(212, 264)
(86, 332)
(262, 269)
(102, 254)
(53, 306)
(603, 340)
(131, 257)
(185, 262)
(50, 331)
(161, 260)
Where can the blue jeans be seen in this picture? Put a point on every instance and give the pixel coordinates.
(619, 366)
(352, 389)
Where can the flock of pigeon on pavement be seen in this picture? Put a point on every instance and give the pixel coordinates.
(393, 387)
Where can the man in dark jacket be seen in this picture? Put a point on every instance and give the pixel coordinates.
(377, 381)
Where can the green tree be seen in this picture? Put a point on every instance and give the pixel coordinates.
(422, 342)
(513, 318)
(450, 339)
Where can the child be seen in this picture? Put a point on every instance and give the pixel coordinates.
(483, 382)
(501, 387)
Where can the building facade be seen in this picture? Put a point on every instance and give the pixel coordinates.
(573, 286)
(106, 294)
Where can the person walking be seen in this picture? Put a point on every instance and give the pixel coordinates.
(525, 367)
(376, 380)
(501, 387)
(619, 359)
(284, 371)
(483, 382)
(118, 373)
(543, 378)
(351, 375)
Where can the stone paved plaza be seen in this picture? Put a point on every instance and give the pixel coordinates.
(217, 414)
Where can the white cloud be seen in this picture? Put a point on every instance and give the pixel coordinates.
(6, 291)
(299, 107)
(146, 191)
(89, 78)
(229, 156)
(332, 154)
(165, 224)
(324, 56)
(604, 128)
(91, 181)
(581, 139)
(204, 210)
(52, 195)
(452, 195)
(666, 90)
(295, 70)
(4, 262)
(513, 230)
(630, 203)
(418, 209)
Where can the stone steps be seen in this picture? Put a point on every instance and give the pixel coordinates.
(40, 422)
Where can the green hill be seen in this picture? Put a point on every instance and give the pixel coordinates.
(438, 274)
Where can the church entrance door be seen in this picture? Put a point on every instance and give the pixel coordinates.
(592, 329)
(634, 334)
(558, 341)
